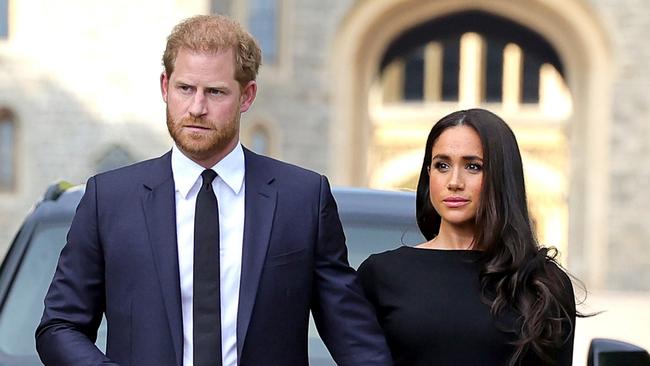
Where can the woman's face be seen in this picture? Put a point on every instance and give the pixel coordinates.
(456, 175)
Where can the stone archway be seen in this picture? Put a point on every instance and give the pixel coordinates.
(584, 50)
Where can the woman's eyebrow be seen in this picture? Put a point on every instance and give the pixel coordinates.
(465, 157)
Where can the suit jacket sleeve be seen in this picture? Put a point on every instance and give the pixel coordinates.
(75, 301)
(345, 320)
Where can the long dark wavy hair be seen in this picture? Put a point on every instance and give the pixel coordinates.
(515, 272)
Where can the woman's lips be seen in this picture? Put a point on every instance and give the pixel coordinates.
(454, 202)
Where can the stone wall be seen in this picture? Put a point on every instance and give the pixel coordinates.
(80, 86)
(628, 24)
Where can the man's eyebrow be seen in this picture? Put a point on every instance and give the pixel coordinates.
(184, 82)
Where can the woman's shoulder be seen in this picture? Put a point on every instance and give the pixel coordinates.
(386, 256)
(378, 269)
(385, 259)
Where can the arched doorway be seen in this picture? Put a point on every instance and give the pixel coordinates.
(569, 28)
(474, 59)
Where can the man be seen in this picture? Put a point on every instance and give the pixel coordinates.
(210, 254)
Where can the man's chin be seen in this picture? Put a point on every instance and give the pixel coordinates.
(198, 152)
(199, 147)
(202, 152)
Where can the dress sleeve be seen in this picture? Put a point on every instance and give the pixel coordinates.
(367, 279)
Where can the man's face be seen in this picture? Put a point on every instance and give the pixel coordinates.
(204, 104)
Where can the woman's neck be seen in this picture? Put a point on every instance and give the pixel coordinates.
(452, 238)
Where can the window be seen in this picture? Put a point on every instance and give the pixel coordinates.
(473, 62)
(7, 150)
(494, 65)
(263, 24)
(4, 19)
(450, 68)
(414, 76)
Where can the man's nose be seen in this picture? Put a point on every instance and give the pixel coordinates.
(199, 105)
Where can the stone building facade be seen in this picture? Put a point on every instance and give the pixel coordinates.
(79, 94)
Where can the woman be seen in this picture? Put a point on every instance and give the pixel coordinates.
(480, 291)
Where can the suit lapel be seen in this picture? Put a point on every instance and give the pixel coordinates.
(158, 202)
(260, 201)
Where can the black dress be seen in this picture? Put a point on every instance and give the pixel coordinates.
(429, 304)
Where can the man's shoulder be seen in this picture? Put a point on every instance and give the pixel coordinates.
(278, 167)
(143, 171)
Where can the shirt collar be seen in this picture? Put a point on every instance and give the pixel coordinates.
(186, 172)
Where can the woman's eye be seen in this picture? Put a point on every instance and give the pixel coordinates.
(441, 166)
(476, 167)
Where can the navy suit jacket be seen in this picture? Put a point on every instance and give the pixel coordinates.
(121, 260)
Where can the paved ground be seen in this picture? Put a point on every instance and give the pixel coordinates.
(626, 317)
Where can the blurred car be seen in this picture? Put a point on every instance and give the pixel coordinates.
(610, 352)
(373, 221)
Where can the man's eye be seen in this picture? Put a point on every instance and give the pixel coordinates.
(215, 91)
(184, 88)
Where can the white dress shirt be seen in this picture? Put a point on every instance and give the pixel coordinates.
(229, 188)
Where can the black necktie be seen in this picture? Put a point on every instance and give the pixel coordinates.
(206, 302)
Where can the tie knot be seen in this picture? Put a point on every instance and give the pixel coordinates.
(208, 176)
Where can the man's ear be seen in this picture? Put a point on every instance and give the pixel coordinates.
(164, 85)
(249, 91)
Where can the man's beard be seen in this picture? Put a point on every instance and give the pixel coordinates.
(201, 146)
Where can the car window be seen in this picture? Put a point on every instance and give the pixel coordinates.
(364, 239)
(24, 303)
